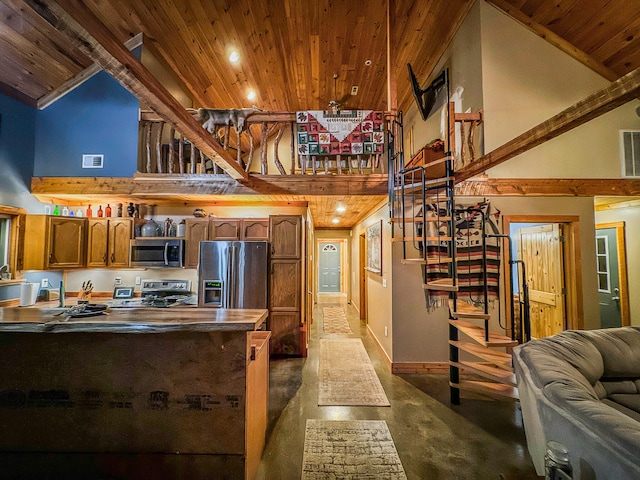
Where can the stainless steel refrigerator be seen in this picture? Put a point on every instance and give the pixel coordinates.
(233, 274)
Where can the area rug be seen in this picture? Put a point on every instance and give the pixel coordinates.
(335, 320)
(361, 449)
(346, 375)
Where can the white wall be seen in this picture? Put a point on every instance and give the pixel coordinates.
(526, 81)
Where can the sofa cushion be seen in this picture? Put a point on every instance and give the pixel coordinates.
(561, 356)
(619, 349)
(632, 402)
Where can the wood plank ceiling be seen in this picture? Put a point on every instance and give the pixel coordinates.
(290, 50)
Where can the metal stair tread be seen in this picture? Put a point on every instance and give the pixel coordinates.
(499, 390)
(443, 284)
(500, 359)
(464, 310)
(477, 334)
(427, 183)
(489, 371)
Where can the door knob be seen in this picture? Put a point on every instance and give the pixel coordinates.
(615, 299)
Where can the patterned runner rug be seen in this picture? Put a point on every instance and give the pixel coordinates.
(335, 320)
(346, 375)
(361, 449)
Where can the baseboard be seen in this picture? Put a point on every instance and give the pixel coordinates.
(441, 368)
(382, 351)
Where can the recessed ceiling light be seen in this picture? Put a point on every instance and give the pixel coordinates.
(368, 63)
(234, 57)
(341, 208)
(335, 220)
(251, 95)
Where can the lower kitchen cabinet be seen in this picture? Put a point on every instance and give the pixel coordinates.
(285, 276)
(285, 333)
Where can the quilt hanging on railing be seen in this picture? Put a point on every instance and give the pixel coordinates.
(468, 231)
(348, 132)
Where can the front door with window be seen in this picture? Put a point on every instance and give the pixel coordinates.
(608, 278)
(329, 268)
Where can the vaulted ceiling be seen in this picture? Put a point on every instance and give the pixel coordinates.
(298, 54)
(290, 50)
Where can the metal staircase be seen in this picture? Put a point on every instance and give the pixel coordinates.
(424, 216)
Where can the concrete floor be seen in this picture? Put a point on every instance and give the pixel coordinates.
(479, 439)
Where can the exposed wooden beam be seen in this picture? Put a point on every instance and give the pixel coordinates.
(555, 40)
(212, 185)
(11, 92)
(617, 93)
(633, 203)
(549, 187)
(74, 19)
(74, 82)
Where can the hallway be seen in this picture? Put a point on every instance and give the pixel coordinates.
(479, 439)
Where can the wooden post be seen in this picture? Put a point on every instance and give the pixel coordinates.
(238, 148)
(264, 168)
(171, 149)
(276, 142)
(293, 147)
(147, 144)
(181, 153)
(339, 164)
(360, 164)
(247, 167)
(193, 158)
(159, 146)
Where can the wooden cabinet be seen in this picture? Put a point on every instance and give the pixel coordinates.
(108, 242)
(54, 242)
(254, 229)
(285, 235)
(225, 229)
(201, 229)
(196, 231)
(286, 284)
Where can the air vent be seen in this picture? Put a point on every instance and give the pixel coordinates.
(92, 161)
(630, 153)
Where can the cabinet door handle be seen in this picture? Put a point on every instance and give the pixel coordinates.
(104, 258)
(113, 257)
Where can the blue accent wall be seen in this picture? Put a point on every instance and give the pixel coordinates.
(98, 117)
(17, 140)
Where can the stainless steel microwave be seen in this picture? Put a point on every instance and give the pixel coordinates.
(157, 253)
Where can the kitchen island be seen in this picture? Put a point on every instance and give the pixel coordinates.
(167, 393)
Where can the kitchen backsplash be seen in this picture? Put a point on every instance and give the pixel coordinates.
(105, 280)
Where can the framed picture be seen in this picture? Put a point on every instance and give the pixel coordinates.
(374, 248)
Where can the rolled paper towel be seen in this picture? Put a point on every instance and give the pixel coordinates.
(28, 293)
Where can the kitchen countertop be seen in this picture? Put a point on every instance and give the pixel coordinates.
(131, 320)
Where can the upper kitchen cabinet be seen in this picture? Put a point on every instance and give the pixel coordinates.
(285, 232)
(54, 242)
(254, 229)
(225, 229)
(108, 242)
(196, 230)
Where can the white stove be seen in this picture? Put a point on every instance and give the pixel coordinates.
(158, 294)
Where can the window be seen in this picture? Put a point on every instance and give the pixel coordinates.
(630, 153)
(602, 256)
(9, 229)
(5, 239)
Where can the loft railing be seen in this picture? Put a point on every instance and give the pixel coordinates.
(257, 145)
